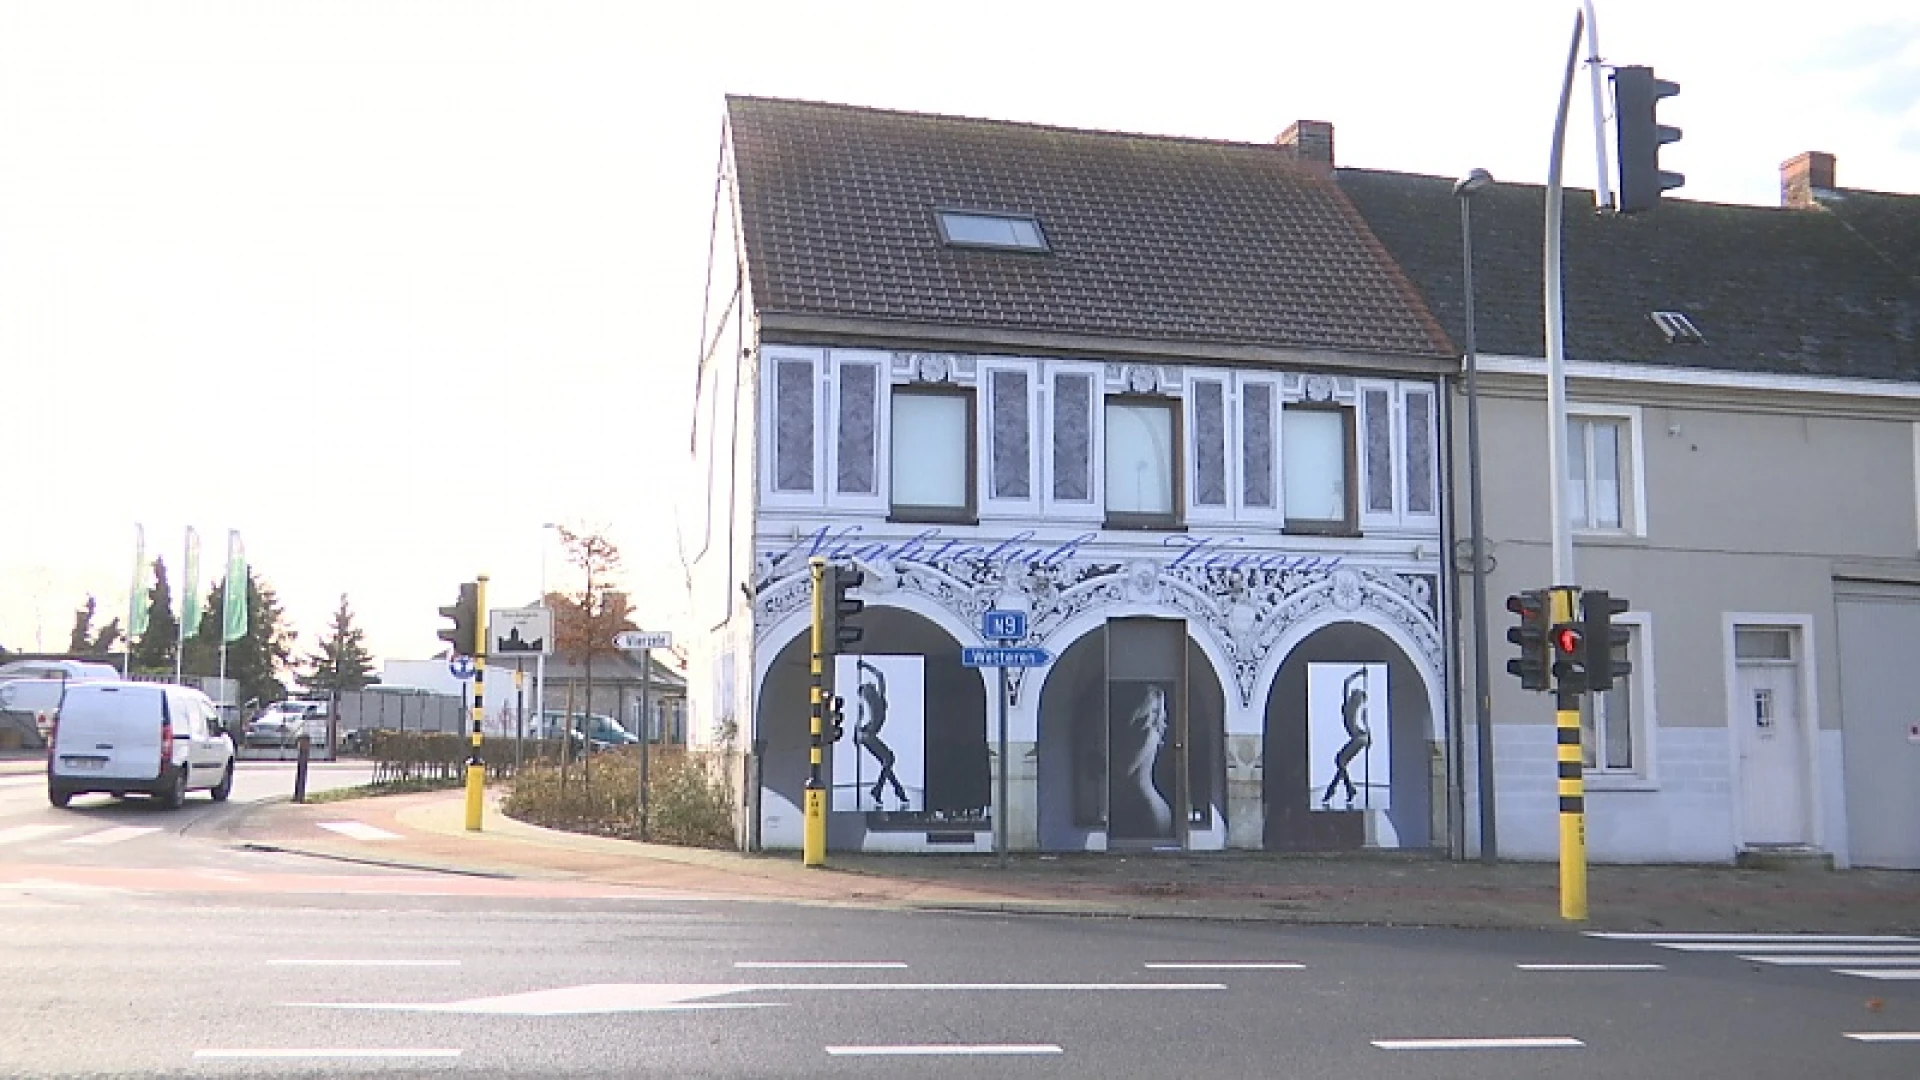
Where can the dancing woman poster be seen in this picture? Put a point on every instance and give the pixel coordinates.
(880, 762)
(1348, 737)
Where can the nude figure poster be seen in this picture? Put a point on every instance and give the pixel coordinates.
(1348, 737)
(880, 761)
(1140, 758)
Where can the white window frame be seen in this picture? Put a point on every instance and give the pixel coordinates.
(1643, 686)
(935, 515)
(1275, 515)
(1633, 494)
(1094, 508)
(882, 421)
(989, 505)
(771, 357)
(1196, 512)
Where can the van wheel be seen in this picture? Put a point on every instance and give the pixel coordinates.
(174, 796)
(225, 787)
(59, 797)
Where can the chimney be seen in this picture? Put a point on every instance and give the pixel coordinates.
(1311, 142)
(1803, 177)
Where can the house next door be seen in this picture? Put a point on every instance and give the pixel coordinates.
(1770, 736)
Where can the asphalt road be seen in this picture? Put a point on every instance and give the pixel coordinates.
(114, 982)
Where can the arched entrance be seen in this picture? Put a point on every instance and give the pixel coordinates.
(1322, 752)
(940, 731)
(1095, 776)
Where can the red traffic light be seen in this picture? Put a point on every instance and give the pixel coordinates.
(1566, 639)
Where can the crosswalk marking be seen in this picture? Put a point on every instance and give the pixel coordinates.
(1888, 957)
(1803, 960)
(1786, 947)
(1614, 935)
(1903, 974)
(1884, 1036)
(114, 836)
(26, 834)
(359, 830)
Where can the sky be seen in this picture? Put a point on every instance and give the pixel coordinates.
(388, 286)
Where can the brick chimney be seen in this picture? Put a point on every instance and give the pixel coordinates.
(1803, 176)
(1311, 142)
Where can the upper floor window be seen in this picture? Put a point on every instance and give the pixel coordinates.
(1143, 463)
(1602, 473)
(1614, 724)
(1013, 232)
(933, 454)
(1316, 461)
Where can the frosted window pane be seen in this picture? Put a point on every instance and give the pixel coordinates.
(1073, 437)
(1420, 486)
(1577, 472)
(1210, 444)
(929, 450)
(859, 383)
(1140, 458)
(1313, 455)
(1379, 422)
(1012, 469)
(793, 426)
(1606, 475)
(1256, 450)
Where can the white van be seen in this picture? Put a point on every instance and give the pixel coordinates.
(138, 738)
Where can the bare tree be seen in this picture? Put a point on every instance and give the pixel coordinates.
(584, 624)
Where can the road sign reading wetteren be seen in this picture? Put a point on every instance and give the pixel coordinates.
(973, 657)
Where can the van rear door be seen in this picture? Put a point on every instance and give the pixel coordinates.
(110, 731)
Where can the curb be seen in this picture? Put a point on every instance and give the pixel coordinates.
(387, 864)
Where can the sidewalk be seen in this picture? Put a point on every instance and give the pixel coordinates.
(1359, 888)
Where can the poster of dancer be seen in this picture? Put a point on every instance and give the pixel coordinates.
(1140, 765)
(880, 762)
(1349, 753)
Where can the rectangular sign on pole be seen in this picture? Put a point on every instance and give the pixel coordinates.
(643, 639)
(520, 632)
(1003, 625)
(979, 657)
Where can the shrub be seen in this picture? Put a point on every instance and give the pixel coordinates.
(687, 802)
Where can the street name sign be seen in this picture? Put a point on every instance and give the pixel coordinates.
(636, 640)
(998, 657)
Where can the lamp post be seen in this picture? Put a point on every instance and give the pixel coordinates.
(540, 661)
(1470, 185)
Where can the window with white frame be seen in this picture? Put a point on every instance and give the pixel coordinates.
(1602, 478)
(1317, 467)
(1143, 462)
(933, 454)
(1613, 723)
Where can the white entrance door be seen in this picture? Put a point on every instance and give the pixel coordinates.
(1770, 736)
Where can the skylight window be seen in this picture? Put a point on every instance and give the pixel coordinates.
(1010, 232)
(1678, 328)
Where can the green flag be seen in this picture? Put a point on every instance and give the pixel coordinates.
(137, 599)
(235, 622)
(190, 605)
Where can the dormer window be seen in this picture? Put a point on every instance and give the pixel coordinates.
(1678, 328)
(977, 229)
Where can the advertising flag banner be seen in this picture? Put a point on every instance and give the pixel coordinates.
(137, 599)
(190, 602)
(235, 621)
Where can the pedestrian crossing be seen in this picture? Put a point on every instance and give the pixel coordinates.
(1884, 957)
(23, 835)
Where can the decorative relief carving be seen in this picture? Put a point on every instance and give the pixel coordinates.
(1318, 388)
(1243, 612)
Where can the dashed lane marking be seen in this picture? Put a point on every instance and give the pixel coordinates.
(822, 965)
(114, 836)
(359, 830)
(1525, 1042)
(945, 1050)
(298, 961)
(280, 1053)
(1591, 967)
(1177, 966)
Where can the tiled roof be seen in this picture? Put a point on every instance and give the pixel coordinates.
(1152, 237)
(1771, 289)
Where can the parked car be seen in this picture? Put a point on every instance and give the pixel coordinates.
(282, 723)
(129, 738)
(594, 732)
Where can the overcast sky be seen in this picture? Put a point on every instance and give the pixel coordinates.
(388, 285)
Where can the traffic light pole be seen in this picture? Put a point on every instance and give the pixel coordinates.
(813, 843)
(476, 765)
(1573, 793)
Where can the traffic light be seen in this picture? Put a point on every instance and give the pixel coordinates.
(1597, 610)
(1636, 98)
(1531, 635)
(1569, 658)
(465, 614)
(836, 720)
(842, 631)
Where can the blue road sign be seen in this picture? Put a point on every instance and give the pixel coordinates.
(461, 667)
(994, 657)
(1003, 625)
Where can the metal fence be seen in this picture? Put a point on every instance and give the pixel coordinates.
(384, 710)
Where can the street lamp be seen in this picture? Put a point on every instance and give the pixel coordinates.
(540, 661)
(1470, 185)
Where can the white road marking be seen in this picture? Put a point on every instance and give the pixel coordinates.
(1224, 967)
(986, 1049)
(1591, 967)
(359, 830)
(1802, 960)
(1614, 936)
(823, 965)
(1901, 974)
(598, 998)
(324, 1053)
(1884, 1036)
(26, 834)
(114, 836)
(319, 962)
(1531, 1042)
(1786, 947)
